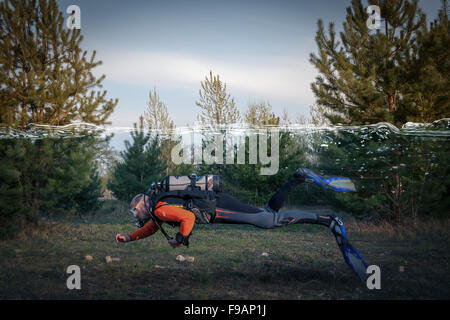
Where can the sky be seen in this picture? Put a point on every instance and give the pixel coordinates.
(260, 49)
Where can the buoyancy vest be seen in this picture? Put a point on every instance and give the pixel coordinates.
(202, 203)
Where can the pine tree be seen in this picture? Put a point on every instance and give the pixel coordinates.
(244, 180)
(260, 114)
(318, 115)
(87, 200)
(71, 184)
(46, 77)
(218, 107)
(392, 172)
(362, 77)
(141, 165)
(156, 115)
(157, 119)
(429, 72)
(11, 200)
(47, 176)
(218, 110)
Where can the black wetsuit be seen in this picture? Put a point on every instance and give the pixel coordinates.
(231, 210)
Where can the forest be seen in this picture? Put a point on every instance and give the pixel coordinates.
(47, 79)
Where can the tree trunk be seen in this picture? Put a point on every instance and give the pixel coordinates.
(392, 107)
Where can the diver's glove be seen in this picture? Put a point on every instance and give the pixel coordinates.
(182, 240)
(122, 238)
(173, 243)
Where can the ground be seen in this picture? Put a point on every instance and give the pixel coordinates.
(302, 262)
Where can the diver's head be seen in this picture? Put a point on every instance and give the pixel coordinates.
(138, 210)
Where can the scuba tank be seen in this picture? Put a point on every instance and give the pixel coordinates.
(207, 182)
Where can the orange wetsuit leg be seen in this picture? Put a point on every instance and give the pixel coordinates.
(173, 213)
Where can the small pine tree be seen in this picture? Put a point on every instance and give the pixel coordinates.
(62, 181)
(260, 114)
(11, 200)
(157, 119)
(156, 115)
(218, 107)
(244, 180)
(87, 200)
(141, 165)
(71, 184)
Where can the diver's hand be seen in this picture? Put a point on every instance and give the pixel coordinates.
(173, 243)
(122, 238)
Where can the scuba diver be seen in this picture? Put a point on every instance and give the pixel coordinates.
(196, 205)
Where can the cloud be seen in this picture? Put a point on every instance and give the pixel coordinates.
(284, 78)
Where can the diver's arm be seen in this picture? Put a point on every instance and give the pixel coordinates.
(173, 213)
(144, 232)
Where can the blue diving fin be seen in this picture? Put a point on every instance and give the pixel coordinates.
(339, 184)
(350, 254)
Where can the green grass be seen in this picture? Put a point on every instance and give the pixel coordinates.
(304, 263)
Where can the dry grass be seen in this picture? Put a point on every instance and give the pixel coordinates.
(409, 228)
(304, 262)
(36, 229)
